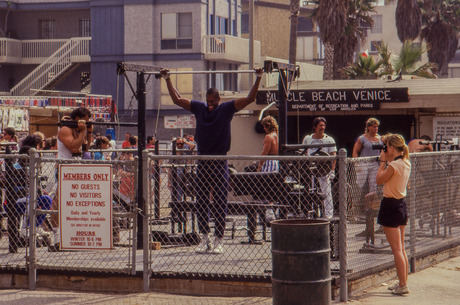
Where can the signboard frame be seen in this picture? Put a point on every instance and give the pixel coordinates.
(85, 207)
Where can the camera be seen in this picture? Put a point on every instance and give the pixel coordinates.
(380, 147)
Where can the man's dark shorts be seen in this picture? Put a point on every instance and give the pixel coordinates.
(392, 213)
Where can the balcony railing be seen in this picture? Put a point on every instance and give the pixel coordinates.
(72, 51)
(230, 49)
(10, 51)
(36, 51)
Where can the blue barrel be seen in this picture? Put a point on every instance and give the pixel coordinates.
(301, 262)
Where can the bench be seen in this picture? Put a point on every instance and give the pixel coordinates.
(248, 208)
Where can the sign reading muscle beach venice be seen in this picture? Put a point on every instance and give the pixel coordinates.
(337, 99)
(85, 206)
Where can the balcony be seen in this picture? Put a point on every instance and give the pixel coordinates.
(230, 49)
(36, 51)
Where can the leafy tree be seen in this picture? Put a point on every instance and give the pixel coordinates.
(404, 64)
(330, 15)
(441, 22)
(408, 20)
(358, 20)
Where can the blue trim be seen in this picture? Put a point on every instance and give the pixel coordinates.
(180, 56)
(176, 1)
(106, 58)
(95, 3)
(53, 6)
(146, 57)
(139, 2)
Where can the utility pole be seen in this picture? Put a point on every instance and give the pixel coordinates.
(251, 39)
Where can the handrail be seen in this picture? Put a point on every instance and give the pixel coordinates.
(53, 66)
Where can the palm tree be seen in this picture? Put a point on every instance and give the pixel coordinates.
(408, 20)
(294, 10)
(404, 64)
(330, 15)
(441, 21)
(355, 32)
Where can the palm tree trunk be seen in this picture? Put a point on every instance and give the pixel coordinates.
(328, 68)
(295, 8)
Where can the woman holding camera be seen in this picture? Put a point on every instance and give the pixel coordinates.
(393, 173)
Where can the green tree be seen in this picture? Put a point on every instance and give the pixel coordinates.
(358, 20)
(330, 15)
(441, 22)
(408, 20)
(407, 63)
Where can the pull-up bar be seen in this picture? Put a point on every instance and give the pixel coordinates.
(157, 73)
(74, 124)
(269, 67)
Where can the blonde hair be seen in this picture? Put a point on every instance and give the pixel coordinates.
(370, 122)
(270, 123)
(397, 142)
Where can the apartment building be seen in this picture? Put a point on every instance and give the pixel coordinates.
(384, 30)
(272, 27)
(76, 44)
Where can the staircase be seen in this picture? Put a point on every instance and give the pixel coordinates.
(54, 67)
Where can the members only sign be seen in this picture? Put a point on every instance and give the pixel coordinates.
(85, 206)
(337, 99)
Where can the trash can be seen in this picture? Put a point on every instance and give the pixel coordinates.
(301, 262)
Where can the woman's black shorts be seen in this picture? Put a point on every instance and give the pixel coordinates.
(392, 213)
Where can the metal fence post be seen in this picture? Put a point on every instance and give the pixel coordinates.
(343, 225)
(146, 218)
(412, 201)
(136, 210)
(32, 219)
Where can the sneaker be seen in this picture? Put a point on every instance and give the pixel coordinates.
(394, 285)
(400, 290)
(40, 232)
(204, 246)
(218, 246)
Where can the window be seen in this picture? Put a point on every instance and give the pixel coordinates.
(374, 45)
(176, 31)
(221, 25)
(46, 29)
(244, 23)
(85, 27)
(183, 83)
(305, 25)
(377, 27)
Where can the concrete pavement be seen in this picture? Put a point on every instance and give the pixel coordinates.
(439, 284)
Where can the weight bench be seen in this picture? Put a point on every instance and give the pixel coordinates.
(248, 208)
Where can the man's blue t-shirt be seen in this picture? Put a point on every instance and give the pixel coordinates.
(213, 128)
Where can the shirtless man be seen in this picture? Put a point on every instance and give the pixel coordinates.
(70, 140)
(415, 146)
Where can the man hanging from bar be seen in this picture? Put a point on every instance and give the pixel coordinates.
(213, 138)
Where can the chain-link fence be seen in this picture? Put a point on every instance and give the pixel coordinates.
(212, 214)
(433, 206)
(46, 252)
(232, 199)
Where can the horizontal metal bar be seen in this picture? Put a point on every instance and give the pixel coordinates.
(204, 72)
(74, 124)
(71, 92)
(301, 146)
